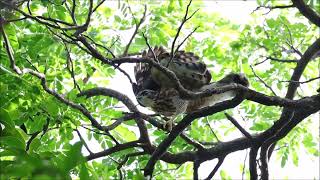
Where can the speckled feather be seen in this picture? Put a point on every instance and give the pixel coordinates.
(192, 73)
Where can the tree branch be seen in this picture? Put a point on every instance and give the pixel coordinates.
(135, 31)
(302, 82)
(253, 163)
(116, 148)
(261, 80)
(213, 172)
(264, 162)
(184, 20)
(273, 7)
(301, 65)
(196, 165)
(83, 141)
(235, 123)
(307, 11)
(276, 59)
(186, 121)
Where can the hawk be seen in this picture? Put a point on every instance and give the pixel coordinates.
(155, 90)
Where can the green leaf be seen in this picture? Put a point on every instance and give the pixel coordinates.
(295, 158)
(12, 142)
(5, 118)
(84, 174)
(284, 158)
(35, 144)
(126, 133)
(73, 157)
(259, 126)
(308, 141)
(117, 18)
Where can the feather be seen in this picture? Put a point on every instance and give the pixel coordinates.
(215, 98)
(192, 73)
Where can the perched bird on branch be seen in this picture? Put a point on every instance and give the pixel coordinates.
(155, 90)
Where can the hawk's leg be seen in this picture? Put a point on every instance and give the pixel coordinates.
(168, 124)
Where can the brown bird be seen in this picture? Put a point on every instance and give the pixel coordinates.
(155, 90)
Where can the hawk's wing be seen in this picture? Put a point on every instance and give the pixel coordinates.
(142, 72)
(192, 73)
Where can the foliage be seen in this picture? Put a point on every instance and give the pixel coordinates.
(39, 136)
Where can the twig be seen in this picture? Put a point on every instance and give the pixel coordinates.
(8, 49)
(100, 45)
(116, 148)
(272, 7)
(98, 5)
(178, 47)
(70, 67)
(28, 6)
(302, 82)
(135, 31)
(32, 65)
(184, 20)
(72, 11)
(276, 59)
(119, 121)
(220, 161)
(14, 20)
(150, 48)
(93, 130)
(261, 80)
(244, 164)
(235, 123)
(212, 131)
(290, 43)
(127, 157)
(33, 136)
(83, 141)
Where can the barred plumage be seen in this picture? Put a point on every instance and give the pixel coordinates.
(155, 90)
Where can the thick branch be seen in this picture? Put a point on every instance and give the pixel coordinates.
(253, 163)
(307, 11)
(185, 122)
(303, 62)
(116, 148)
(126, 101)
(264, 162)
(111, 93)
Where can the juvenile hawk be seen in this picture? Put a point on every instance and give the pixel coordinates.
(155, 90)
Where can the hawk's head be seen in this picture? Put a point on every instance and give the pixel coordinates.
(146, 98)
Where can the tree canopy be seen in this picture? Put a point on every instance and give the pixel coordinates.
(60, 117)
